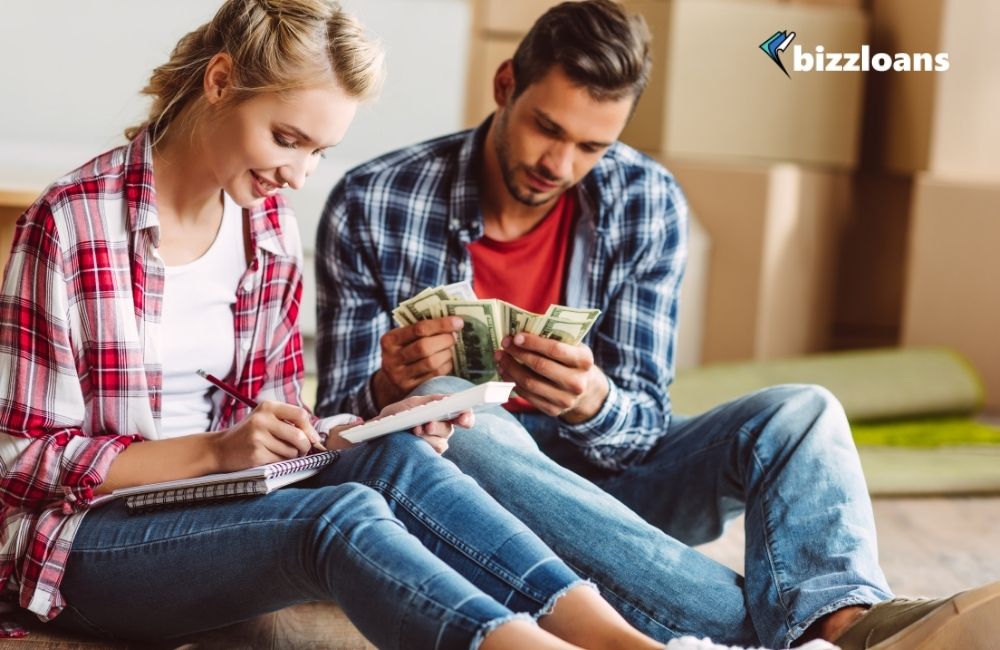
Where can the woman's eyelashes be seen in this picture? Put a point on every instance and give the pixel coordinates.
(282, 141)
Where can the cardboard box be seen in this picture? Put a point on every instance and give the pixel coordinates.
(774, 231)
(486, 55)
(951, 286)
(693, 294)
(872, 262)
(715, 95)
(943, 122)
(510, 17)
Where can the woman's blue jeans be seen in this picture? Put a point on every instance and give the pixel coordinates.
(416, 554)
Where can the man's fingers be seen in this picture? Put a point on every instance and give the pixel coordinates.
(574, 356)
(411, 382)
(566, 378)
(402, 336)
(537, 400)
(540, 391)
(427, 354)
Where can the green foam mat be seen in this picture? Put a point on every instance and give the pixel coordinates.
(937, 471)
(871, 384)
(926, 433)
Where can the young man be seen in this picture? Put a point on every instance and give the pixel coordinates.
(541, 205)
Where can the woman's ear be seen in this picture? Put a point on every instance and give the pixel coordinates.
(218, 77)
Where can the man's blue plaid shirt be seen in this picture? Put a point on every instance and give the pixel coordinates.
(402, 222)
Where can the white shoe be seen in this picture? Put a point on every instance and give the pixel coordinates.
(691, 643)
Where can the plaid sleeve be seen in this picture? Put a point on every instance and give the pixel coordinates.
(634, 344)
(351, 310)
(44, 453)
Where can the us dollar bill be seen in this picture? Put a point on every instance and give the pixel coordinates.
(487, 322)
(515, 319)
(566, 331)
(477, 341)
(426, 304)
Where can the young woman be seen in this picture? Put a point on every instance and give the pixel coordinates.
(177, 252)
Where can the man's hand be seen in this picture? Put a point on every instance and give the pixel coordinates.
(413, 354)
(556, 378)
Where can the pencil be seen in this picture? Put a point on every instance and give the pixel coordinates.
(240, 397)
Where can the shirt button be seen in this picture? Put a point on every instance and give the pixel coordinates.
(245, 345)
(248, 284)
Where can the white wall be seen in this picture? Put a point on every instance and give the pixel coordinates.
(72, 73)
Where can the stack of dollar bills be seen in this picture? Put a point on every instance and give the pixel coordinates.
(487, 322)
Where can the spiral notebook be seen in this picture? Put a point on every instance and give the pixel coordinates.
(213, 487)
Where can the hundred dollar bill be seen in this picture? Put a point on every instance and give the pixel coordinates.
(566, 331)
(459, 290)
(572, 313)
(426, 304)
(514, 319)
(478, 340)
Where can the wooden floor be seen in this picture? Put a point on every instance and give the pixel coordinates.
(927, 547)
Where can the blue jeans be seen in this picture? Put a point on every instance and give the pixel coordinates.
(412, 550)
(784, 456)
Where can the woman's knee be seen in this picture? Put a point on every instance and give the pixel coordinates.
(346, 509)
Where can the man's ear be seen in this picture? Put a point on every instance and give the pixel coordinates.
(218, 77)
(503, 84)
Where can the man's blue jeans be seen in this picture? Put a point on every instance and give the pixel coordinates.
(412, 550)
(783, 455)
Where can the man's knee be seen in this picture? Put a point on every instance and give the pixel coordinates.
(445, 384)
(802, 409)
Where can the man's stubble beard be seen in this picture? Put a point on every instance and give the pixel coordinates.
(506, 169)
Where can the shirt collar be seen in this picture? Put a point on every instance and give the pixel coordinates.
(140, 195)
(464, 213)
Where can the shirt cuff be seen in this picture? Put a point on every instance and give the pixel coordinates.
(610, 417)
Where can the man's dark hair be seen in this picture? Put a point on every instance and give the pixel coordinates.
(597, 43)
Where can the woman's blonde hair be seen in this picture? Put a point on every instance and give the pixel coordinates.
(275, 46)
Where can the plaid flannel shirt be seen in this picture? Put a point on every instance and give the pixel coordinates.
(403, 222)
(80, 373)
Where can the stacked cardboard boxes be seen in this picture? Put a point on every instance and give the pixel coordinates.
(931, 151)
(951, 290)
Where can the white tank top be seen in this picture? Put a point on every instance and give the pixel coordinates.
(197, 326)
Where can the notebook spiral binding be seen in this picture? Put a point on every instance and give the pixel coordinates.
(230, 489)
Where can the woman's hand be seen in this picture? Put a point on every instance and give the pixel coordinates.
(273, 431)
(435, 434)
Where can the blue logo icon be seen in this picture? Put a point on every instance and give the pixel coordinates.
(776, 44)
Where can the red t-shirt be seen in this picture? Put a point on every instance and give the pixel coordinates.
(529, 271)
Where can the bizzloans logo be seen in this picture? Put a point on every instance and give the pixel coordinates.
(863, 61)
